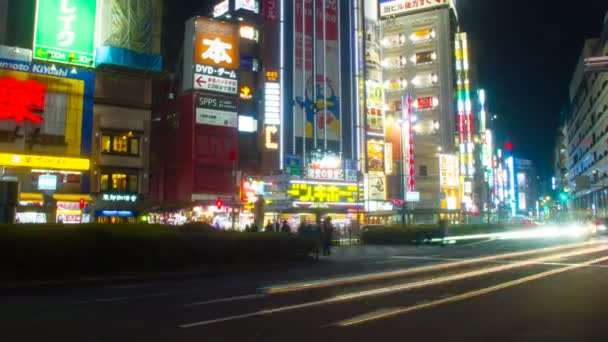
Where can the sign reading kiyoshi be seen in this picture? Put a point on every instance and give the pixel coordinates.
(65, 31)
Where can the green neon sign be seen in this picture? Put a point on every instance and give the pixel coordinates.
(65, 31)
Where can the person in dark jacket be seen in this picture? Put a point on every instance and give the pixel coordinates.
(328, 233)
(285, 227)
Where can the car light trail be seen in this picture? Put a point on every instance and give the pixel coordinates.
(467, 295)
(400, 287)
(398, 273)
(534, 233)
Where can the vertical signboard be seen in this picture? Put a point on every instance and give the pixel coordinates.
(65, 31)
(214, 63)
(317, 88)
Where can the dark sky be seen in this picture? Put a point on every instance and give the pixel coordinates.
(525, 53)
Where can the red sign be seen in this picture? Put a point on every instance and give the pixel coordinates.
(425, 102)
(20, 100)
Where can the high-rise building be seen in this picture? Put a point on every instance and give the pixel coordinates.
(419, 66)
(587, 126)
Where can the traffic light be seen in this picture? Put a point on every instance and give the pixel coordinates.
(219, 203)
(564, 197)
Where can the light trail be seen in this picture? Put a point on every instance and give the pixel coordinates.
(398, 288)
(549, 232)
(410, 271)
(467, 295)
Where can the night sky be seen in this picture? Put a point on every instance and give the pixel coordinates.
(525, 53)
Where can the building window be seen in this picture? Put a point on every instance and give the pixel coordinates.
(423, 171)
(123, 144)
(119, 182)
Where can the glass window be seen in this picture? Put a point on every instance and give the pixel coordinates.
(423, 171)
(119, 182)
(106, 143)
(104, 182)
(133, 183)
(120, 144)
(134, 148)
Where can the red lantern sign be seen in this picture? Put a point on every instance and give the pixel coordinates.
(20, 100)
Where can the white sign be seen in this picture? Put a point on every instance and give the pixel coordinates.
(221, 8)
(412, 196)
(47, 182)
(448, 171)
(375, 186)
(250, 5)
(388, 7)
(272, 103)
(247, 124)
(217, 84)
(216, 117)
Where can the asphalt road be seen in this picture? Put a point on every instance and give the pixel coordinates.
(522, 290)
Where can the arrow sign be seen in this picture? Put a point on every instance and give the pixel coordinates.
(200, 82)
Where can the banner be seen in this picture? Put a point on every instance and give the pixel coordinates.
(317, 94)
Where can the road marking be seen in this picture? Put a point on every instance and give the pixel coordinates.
(477, 243)
(415, 270)
(398, 288)
(229, 299)
(394, 312)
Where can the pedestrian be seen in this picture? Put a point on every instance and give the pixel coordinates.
(443, 230)
(327, 233)
(269, 227)
(285, 227)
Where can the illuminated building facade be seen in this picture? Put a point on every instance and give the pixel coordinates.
(417, 60)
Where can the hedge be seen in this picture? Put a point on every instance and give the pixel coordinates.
(51, 251)
(397, 235)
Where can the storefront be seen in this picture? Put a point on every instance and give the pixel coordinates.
(114, 207)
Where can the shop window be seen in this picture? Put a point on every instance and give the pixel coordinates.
(123, 144)
(119, 182)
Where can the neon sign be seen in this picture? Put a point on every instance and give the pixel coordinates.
(324, 166)
(20, 100)
(343, 193)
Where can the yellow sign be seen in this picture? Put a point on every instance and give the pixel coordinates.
(272, 137)
(245, 92)
(324, 193)
(47, 162)
(272, 75)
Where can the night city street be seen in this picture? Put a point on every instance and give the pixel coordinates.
(303, 170)
(519, 291)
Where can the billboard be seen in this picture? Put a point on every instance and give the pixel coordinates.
(212, 62)
(392, 7)
(448, 171)
(375, 186)
(55, 99)
(64, 31)
(317, 94)
(216, 111)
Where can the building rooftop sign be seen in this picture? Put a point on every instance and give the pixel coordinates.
(392, 7)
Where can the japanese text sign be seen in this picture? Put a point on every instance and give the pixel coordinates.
(21, 100)
(65, 31)
(216, 43)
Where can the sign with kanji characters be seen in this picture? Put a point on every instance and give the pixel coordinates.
(21, 100)
(65, 31)
(216, 111)
(216, 84)
(392, 7)
(448, 171)
(216, 43)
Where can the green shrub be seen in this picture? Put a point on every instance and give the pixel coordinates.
(43, 251)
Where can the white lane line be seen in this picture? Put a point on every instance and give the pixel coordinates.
(399, 287)
(476, 243)
(120, 299)
(224, 300)
(372, 316)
